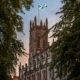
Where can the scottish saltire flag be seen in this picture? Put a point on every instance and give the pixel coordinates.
(42, 6)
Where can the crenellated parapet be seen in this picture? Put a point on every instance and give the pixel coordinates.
(34, 24)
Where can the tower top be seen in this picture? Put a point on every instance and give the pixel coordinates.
(33, 24)
(36, 31)
(35, 20)
(46, 22)
(41, 23)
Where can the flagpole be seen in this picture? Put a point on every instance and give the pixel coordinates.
(40, 7)
(38, 14)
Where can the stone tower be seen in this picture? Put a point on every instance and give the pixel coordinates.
(38, 38)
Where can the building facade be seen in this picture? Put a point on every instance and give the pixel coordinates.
(39, 54)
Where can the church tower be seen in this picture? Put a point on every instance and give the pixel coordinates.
(38, 38)
(39, 53)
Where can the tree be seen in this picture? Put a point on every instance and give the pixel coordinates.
(66, 49)
(10, 23)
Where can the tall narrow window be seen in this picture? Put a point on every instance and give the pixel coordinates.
(38, 42)
(44, 45)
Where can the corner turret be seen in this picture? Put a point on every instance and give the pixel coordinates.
(46, 23)
(35, 20)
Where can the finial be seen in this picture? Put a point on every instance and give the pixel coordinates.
(33, 24)
(46, 22)
(35, 20)
(20, 65)
(26, 65)
(41, 23)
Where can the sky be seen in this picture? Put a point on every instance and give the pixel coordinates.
(49, 12)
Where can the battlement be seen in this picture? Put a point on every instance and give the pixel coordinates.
(34, 24)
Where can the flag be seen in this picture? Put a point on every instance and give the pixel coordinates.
(42, 6)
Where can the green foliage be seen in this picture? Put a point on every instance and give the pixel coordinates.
(10, 23)
(66, 49)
